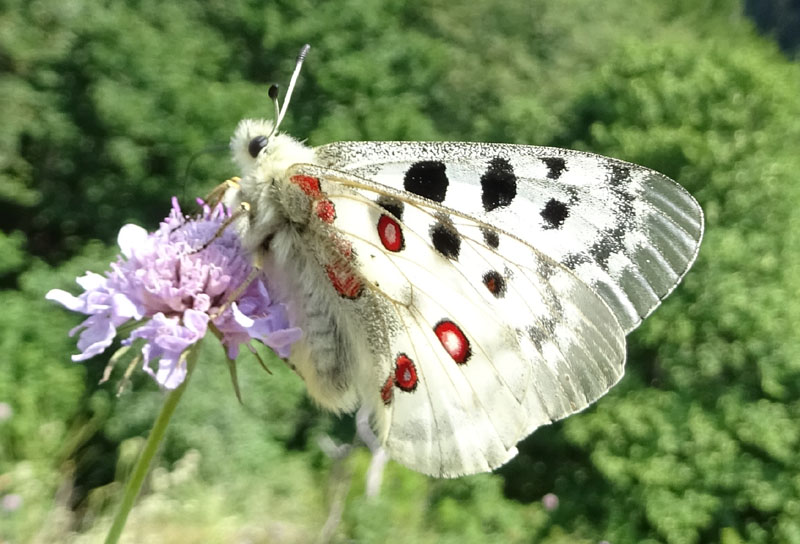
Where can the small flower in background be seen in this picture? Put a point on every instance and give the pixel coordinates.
(178, 282)
(11, 502)
(550, 502)
(6, 411)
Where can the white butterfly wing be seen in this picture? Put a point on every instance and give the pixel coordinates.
(627, 231)
(476, 347)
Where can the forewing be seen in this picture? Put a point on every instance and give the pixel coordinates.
(627, 231)
(479, 345)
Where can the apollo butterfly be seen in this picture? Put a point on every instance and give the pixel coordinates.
(464, 293)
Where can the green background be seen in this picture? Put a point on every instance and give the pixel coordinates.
(103, 103)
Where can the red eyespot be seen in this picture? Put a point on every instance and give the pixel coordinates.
(386, 391)
(344, 281)
(326, 210)
(390, 233)
(405, 373)
(453, 340)
(308, 185)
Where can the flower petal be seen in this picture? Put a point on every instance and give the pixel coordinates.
(129, 238)
(97, 336)
(196, 322)
(91, 281)
(240, 318)
(281, 340)
(123, 308)
(171, 372)
(69, 301)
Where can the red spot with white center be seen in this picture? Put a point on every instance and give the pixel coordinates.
(390, 234)
(309, 185)
(405, 373)
(386, 391)
(344, 281)
(326, 210)
(453, 340)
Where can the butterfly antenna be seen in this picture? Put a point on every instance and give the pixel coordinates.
(300, 58)
(273, 95)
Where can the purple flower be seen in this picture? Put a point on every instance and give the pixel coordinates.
(178, 280)
(11, 502)
(550, 502)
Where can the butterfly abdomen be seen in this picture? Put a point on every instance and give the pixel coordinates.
(325, 356)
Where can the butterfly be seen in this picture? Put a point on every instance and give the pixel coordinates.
(464, 293)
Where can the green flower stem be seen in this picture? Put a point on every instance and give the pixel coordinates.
(142, 467)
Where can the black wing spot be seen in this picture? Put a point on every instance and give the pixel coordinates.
(601, 251)
(391, 205)
(555, 212)
(427, 179)
(495, 283)
(555, 166)
(446, 240)
(573, 260)
(610, 241)
(619, 174)
(499, 184)
(541, 332)
(491, 238)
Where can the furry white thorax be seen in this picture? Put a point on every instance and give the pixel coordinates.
(275, 232)
(265, 185)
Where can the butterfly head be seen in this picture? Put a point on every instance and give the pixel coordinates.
(250, 140)
(259, 151)
(257, 142)
(263, 156)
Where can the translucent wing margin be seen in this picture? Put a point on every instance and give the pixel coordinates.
(627, 231)
(483, 346)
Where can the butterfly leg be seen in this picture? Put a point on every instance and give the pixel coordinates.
(379, 454)
(218, 193)
(243, 209)
(254, 273)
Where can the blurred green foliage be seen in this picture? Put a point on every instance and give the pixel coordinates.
(104, 104)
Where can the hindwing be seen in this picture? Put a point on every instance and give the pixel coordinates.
(483, 337)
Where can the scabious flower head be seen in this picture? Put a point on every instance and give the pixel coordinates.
(177, 281)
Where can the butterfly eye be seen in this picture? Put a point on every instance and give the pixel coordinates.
(256, 145)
